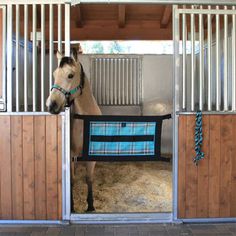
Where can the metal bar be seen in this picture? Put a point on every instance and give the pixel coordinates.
(107, 81)
(51, 46)
(100, 82)
(59, 36)
(111, 76)
(184, 39)
(67, 29)
(119, 81)
(138, 78)
(206, 11)
(42, 57)
(218, 79)
(131, 82)
(66, 187)
(135, 81)
(17, 58)
(192, 62)
(28, 113)
(103, 88)
(201, 61)
(4, 41)
(123, 81)
(73, 2)
(209, 61)
(127, 80)
(225, 61)
(9, 58)
(95, 81)
(208, 113)
(25, 58)
(115, 81)
(34, 66)
(233, 61)
(176, 105)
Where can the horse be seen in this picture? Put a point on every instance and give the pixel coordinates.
(71, 86)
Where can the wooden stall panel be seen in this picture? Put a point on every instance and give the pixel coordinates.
(207, 190)
(30, 168)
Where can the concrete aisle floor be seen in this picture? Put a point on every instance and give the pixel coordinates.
(122, 230)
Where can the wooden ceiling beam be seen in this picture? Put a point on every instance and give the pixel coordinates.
(79, 19)
(121, 16)
(166, 16)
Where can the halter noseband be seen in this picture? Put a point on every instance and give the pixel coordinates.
(72, 91)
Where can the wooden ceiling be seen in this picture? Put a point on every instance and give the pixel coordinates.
(123, 22)
(110, 22)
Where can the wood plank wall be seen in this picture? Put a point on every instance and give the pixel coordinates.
(30, 168)
(209, 189)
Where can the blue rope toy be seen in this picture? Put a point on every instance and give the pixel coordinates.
(198, 138)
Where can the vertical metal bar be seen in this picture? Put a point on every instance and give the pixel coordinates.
(111, 76)
(25, 57)
(119, 82)
(66, 198)
(127, 81)
(135, 82)
(131, 81)
(138, 78)
(42, 56)
(218, 81)
(95, 81)
(225, 61)
(34, 46)
(184, 39)
(4, 55)
(107, 71)
(209, 60)
(9, 58)
(115, 81)
(59, 36)
(67, 29)
(201, 61)
(104, 81)
(17, 55)
(192, 62)
(176, 68)
(123, 81)
(51, 46)
(233, 61)
(100, 81)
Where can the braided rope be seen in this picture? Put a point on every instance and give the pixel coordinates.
(198, 138)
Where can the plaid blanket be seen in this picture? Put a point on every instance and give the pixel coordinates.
(122, 138)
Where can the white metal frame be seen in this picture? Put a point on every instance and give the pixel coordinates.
(3, 98)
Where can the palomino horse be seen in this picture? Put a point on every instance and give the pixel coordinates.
(72, 86)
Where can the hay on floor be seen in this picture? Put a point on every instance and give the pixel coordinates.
(126, 187)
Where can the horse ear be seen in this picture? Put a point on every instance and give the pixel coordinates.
(59, 55)
(74, 54)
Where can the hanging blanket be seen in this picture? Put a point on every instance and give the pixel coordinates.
(122, 138)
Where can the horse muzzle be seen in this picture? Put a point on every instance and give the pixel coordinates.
(53, 108)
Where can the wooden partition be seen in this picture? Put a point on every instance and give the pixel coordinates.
(1, 51)
(30, 167)
(209, 189)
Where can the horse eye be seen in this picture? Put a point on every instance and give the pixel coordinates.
(70, 76)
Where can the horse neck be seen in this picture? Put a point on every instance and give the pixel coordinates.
(85, 104)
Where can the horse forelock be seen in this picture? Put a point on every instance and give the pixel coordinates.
(66, 61)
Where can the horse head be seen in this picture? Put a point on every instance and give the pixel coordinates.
(68, 83)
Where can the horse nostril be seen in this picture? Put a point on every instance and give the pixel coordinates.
(53, 107)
